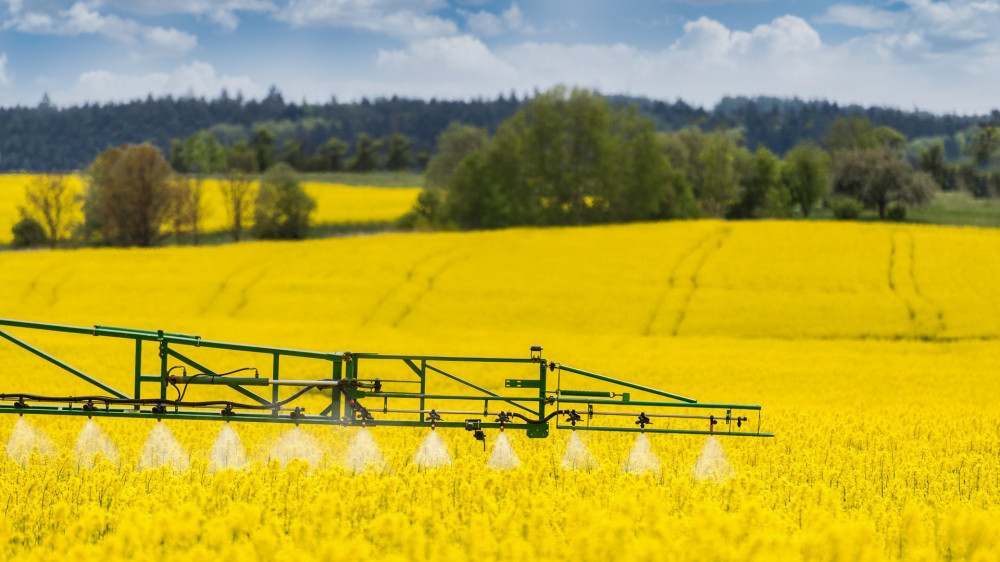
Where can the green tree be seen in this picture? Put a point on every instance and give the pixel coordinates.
(292, 154)
(282, 209)
(932, 161)
(399, 153)
(761, 185)
(879, 178)
(806, 175)
(263, 147)
(365, 154)
(333, 154)
(858, 133)
(455, 143)
(566, 157)
(127, 197)
(28, 233)
(984, 145)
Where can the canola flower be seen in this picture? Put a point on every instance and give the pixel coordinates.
(873, 348)
(339, 204)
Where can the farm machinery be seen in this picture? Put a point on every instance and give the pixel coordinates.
(277, 385)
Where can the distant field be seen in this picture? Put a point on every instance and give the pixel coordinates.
(373, 179)
(336, 203)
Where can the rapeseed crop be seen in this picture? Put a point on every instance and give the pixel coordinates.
(874, 349)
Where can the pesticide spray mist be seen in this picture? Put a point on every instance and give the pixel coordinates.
(641, 458)
(432, 452)
(26, 440)
(577, 455)
(503, 456)
(162, 449)
(297, 444)
(712, 464)
(92, 444)
(364, 453)
(227, 451)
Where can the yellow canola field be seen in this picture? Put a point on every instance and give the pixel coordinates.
(339, 204)
(873, 348)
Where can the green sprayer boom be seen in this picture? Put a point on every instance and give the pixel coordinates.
(334, 386)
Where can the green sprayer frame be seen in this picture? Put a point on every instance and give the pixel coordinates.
(533, 401)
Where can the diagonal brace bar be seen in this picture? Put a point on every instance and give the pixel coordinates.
(627, 384)
(206, 370)
(58, 363)
(479, 388)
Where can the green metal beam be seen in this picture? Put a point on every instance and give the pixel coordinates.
(660, 404)
(479, 388)
(444, 358)
(667, 431)
(627, 384)
(62, 365)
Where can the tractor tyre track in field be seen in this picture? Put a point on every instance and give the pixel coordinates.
(926, 319)
(396, 288)
(941, 325)
(245, 290)
(722, 234)
(427, 289)
(672, 280)
(33, 284)
(56, 288)
(224, 285)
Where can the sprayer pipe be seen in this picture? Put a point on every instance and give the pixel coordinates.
(317, 384)
(455, 412)
(684, 416)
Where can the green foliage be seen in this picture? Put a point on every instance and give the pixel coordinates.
(28, 233)
(365, 157)
(858, 133)
(984, 145)
(713, 165)
(806, 175)
(845, 208)
(565, 158)
(896, 212)
(282, 208)
(291, 154)
(332, 153)
(399, 153)
(878, 177)
(427, 212)
(453, 145)
(932, 161)
(263, 148)
(761, 189)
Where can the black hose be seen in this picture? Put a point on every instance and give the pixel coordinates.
(153, 401)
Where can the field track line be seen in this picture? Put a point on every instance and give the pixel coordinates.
(940, 325)
(671, 281)
(430, 287)
(224, 285)
(409, 278)
(245, 291)
(723, 233)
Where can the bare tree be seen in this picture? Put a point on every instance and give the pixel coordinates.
(51, 201)
(237, 187)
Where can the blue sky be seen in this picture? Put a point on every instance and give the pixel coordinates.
(936, 55)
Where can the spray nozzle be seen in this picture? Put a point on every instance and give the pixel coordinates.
(643, 420)
(712, 423)
(228, 411)
(89, 406)
(573, 417)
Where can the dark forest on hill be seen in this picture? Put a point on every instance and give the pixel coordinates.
(49, 138)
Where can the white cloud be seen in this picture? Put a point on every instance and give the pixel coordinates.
(197, 78)
(487, 24)
(784, 57)
(861, 17)
(222, 12)
(4, 80)
(83, 18)
(412, 19)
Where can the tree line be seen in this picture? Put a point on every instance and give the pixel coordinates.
(47, 138)
(132, 197)
(572, 157)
